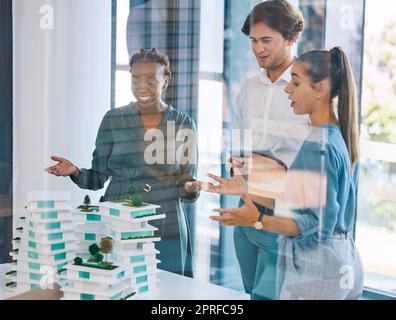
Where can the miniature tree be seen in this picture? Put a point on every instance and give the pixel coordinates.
(106, 246)
(93, 250)
(137, 200)
(78, 261)
(98, 257)
(87, 200)
(132, 190)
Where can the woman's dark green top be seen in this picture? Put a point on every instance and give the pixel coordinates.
(161, 163)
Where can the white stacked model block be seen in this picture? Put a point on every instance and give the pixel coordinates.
(88, 282)
(133, 252)
(44, 242)
(89, 228)
(134, 242)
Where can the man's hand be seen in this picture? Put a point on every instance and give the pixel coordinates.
(241, 165)
(193, 186)
(63, 168)
(257, 164)
(234, 186)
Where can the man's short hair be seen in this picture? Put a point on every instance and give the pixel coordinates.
(279, 15)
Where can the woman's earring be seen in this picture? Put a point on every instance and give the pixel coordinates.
(166, 82)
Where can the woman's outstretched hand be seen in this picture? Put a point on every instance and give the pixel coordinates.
(245, 216)
(63, 168)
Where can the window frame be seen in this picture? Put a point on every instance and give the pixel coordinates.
(368, 292)
(6, 83)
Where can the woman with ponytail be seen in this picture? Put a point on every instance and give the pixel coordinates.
(317, 256)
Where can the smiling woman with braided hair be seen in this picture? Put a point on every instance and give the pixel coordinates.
(124, 153)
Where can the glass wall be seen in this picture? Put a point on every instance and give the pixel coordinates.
(196, 57)
(73, 75)
(225, 62)
(313, 37)
(376, 225)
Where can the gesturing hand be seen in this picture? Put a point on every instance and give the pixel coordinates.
(234, 186)
(262, 165)
(192, 186)
(63, 168)
(241, 165)
(244, 216)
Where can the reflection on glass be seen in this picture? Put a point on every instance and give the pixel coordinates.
(314, 33)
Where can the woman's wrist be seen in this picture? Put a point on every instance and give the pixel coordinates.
(76, 173)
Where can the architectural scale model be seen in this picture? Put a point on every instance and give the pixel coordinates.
(44, 241)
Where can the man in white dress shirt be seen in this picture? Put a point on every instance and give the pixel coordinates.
(263, 106)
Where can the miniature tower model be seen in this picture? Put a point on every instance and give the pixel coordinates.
(134, 239)
(44, 241)
(89, 227)
(95, 279)
(130, 267)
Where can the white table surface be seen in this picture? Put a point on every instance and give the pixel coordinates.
(176, 287)
(172, 287)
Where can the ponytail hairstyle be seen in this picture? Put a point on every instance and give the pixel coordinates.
(334, 65)
(152, 55)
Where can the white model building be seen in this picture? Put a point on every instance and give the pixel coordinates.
(86, 281)
(133, 251)
(134, 242)
(89, 228)
(44, 241)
